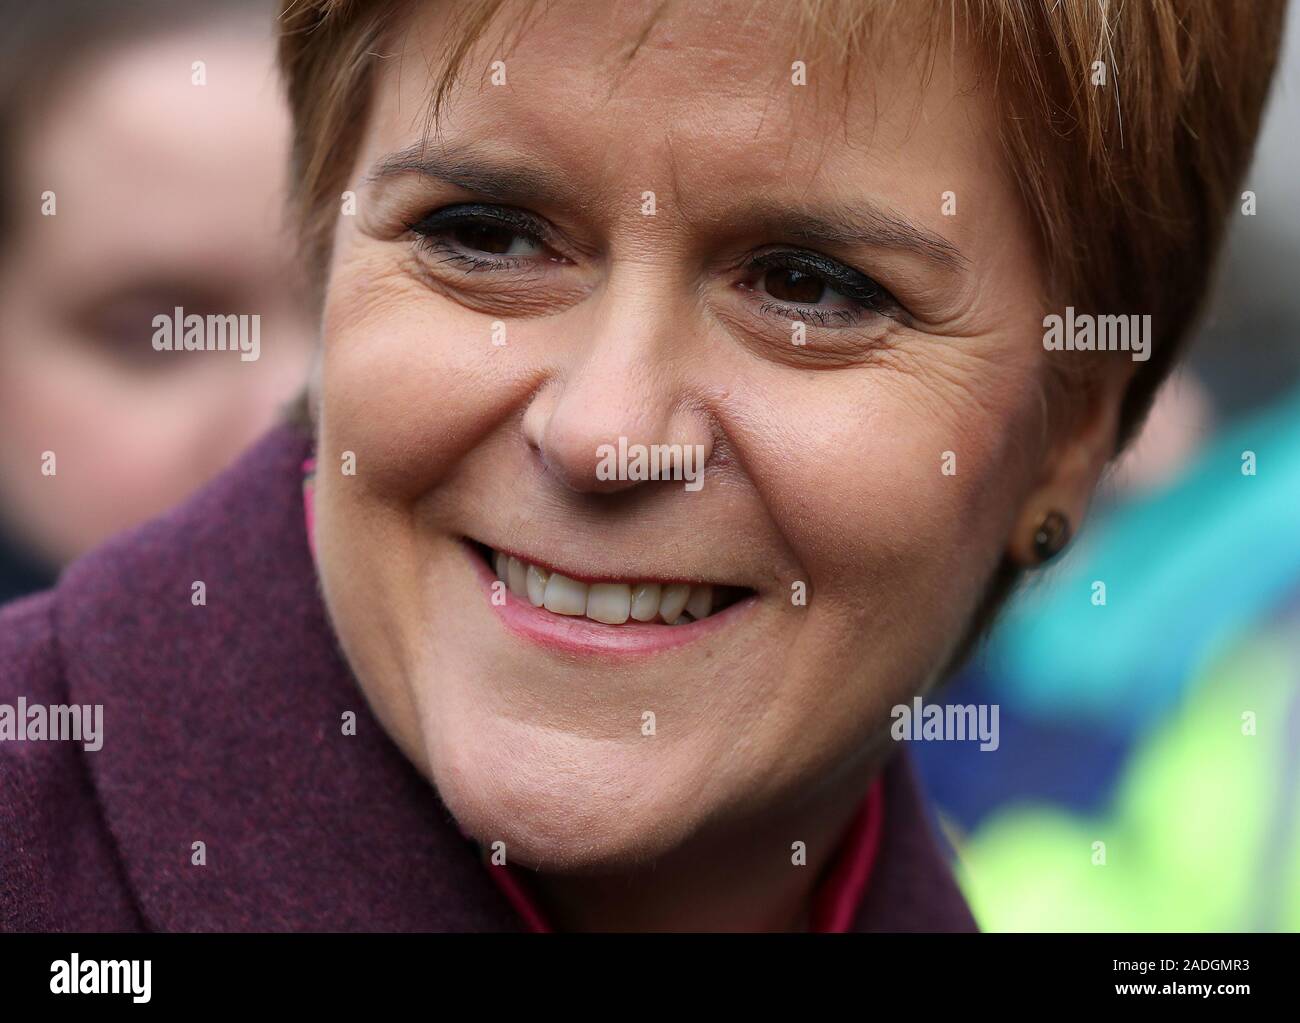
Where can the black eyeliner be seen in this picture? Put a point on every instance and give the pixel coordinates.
(849, 282)
(480, 213)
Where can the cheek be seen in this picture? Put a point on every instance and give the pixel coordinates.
(393, 347)
(903, 483)
(113, 466)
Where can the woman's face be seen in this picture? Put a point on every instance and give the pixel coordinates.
(166, 194)
(540, 307)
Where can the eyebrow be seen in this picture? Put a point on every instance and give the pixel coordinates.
(863, 223)
(474, 174)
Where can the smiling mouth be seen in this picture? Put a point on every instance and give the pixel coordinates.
(610, 602)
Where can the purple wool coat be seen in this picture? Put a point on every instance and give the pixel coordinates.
(221, 725)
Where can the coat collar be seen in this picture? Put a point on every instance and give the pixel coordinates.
(223, 725)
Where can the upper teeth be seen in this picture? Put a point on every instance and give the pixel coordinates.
(611, 603)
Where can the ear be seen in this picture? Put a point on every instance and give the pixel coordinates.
(1075, 458)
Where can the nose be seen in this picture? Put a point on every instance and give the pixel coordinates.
(617, 411)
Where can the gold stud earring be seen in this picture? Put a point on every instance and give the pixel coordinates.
(1051, 537)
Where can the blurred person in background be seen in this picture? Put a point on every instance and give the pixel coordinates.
(142, 154)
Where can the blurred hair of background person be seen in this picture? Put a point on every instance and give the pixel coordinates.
(142, 155)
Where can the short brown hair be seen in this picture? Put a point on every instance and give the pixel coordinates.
(1129, 190)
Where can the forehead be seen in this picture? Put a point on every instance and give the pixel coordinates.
(701, 105)
(154, 174)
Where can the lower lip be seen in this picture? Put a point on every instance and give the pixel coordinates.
(574, 634)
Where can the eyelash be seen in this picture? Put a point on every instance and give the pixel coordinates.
(865, 294)
(430, 228)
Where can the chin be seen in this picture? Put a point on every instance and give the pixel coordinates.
(561, 811)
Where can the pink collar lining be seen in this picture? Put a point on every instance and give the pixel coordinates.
(835, 902)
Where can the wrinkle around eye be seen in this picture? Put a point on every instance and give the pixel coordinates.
(517, 292)
(841, 347)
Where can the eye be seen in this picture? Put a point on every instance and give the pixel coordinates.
(494, 239)
(794, 286)
(478, 236)
(797, 284)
